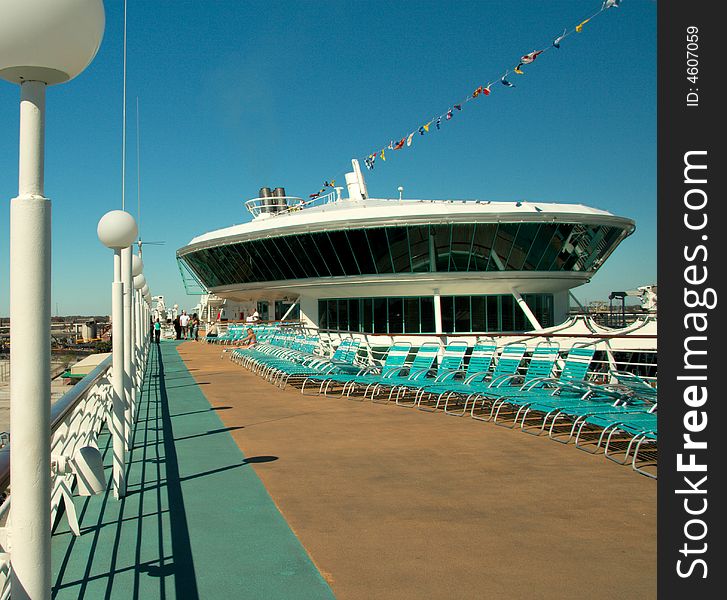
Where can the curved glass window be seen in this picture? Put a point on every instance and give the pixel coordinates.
(407, 249)
(460, 314)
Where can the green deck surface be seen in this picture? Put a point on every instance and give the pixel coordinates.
(196, 521)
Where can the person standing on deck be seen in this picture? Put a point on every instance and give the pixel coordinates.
(184, 323)
(157, 331)
(177, 328)
(194, 328)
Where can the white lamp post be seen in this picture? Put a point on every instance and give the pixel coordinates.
(137, 266)
(126, 278)
(42, 42)
(117, 230)
(142, 321)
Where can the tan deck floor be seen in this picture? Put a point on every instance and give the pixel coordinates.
(398, 503)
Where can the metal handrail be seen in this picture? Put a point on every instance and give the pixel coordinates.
(58, 412)
(256, 205)
(528, 334)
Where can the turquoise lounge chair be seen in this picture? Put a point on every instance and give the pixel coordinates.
(451, 362)
(542, 362)
(480, 361)
(577, 401)
(423, 361)
(543, 389)
(394, 361)
(343, 360)
(462, 391)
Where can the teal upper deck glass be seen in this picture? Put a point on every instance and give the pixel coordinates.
(359, 247)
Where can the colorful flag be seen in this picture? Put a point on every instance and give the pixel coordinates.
(449, 114)
(486, 89)
(400, 144)
(556, 41)
(369, 161)
(391, 145)
(506, 83)
(383, 154)
(610, 4)
(477, 92)
(458, 106)
(426, 127)
(439, 120)
(408, 139)
(517, 69)
(579, 27)
(314, 195)
(421, 130)
(530, 57)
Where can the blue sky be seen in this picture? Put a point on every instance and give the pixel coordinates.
(237, 95)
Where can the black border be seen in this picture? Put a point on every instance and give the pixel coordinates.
(683, 128)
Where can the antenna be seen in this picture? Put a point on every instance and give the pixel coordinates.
(139, 242)
(138, 175)
(123, 126)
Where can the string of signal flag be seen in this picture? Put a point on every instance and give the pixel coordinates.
(481, 91)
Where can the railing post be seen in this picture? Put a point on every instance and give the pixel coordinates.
(117, 416)
(128, 349)
(30, 293)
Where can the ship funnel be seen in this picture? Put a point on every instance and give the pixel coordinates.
(280, 202)
(266, 206)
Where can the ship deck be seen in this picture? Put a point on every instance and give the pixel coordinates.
(237, 489)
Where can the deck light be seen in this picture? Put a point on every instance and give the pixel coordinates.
(42, 42)
(139, 325)
(117, 230)
(48, 41)
(137, 265)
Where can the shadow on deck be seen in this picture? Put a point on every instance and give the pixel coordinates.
(195, 523)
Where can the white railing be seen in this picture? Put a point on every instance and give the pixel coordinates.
(278, 205)
(76, 420)
(609, 355)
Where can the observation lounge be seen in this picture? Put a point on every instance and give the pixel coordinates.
(395, 266)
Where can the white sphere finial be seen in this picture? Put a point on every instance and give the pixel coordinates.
(137, 265)
(48, 40)
(139, 281)
(145, 289)
(116, 229)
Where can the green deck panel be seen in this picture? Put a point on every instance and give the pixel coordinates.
(197, 522)
(69, 375)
